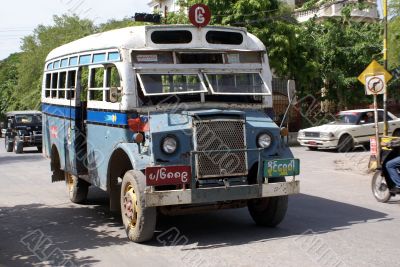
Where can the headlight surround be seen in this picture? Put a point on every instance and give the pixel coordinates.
(301, 134)
(326, 135)
(169, 145)
(264, 140)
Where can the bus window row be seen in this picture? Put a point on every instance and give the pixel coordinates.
(95, 82)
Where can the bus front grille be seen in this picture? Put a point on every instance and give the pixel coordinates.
(220, 135)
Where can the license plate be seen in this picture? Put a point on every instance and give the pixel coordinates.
(168, 175)
(281, 167)
(312, 143)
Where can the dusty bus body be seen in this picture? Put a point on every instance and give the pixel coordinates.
(167, 119)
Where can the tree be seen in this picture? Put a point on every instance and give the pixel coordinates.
(35, 49)
(345, 49)
(8, 81)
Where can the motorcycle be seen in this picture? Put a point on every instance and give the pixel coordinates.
(383, 187)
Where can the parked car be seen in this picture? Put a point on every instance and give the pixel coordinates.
(351, 128)
(23, 129)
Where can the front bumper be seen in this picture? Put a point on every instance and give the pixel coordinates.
(32, 140)
(219, 194)
(319, 143)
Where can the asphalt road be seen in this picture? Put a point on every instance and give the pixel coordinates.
(335, 221)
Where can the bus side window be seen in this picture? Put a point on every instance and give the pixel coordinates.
(62, 85)
(48, 85)
(113, 80)
(71, 85)
(54, 85)
(83, 82)
(96, 88)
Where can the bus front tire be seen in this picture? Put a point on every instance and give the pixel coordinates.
(77, 188)
(139, 221)
(270, 211)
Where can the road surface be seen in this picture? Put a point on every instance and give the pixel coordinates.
(335, 221)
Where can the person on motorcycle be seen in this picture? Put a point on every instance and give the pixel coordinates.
(393, 165)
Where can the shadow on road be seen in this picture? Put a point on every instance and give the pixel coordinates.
(30, 233)
(306, 214)
(29, 156)
(80, 228)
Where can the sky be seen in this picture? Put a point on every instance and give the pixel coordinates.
(19, 18)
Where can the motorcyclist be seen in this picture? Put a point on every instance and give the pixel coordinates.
(393, 165)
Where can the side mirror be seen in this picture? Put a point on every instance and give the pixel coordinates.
(114, 94)
(291, 90)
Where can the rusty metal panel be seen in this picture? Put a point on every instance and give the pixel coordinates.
(210, 195)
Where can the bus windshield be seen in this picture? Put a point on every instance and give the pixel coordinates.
(161, 84)
(237, 84)
(250, 84)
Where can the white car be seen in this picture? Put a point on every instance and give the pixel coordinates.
(351, 128)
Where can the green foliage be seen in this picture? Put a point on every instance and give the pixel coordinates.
(344, 50)
(394, 8)
(394, 43)
(35, 48)
(310, 4)
(330, 54)
(8, 81)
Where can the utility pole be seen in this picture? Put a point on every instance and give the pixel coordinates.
(385, 62)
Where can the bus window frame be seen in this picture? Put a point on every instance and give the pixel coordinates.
(74, 89)
(90, 88)
(58, 89)
(268, 93)
(143, 88)
(104, 89)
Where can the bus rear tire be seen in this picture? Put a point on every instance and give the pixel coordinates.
(139, 221)
(77, 188)
(270, 211)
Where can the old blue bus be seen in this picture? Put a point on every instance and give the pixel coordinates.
(167, 120)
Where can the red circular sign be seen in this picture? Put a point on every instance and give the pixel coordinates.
(200, 15)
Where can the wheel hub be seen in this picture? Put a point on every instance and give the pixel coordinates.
(130, 206)
(70, 181)
(383, 187)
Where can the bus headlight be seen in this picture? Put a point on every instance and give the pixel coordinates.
(264, 140)
(169, 145)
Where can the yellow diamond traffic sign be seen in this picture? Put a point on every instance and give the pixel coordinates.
(372, 70)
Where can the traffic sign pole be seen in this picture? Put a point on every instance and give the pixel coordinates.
(378, 143)
(385, 40)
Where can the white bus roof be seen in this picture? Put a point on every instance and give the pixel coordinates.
(137, 38)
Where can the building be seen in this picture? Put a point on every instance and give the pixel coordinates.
(164, 6)
(327, 9)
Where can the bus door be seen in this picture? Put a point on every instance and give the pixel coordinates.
(76, 128)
